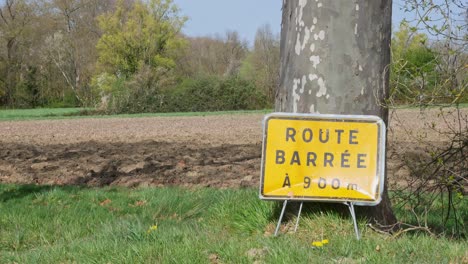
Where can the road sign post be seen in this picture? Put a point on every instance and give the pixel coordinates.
(327, 158)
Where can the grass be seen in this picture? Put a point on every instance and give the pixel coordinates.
(71, 113)
(44, 224)
(434, 106)
(38, 113)
(62, 113)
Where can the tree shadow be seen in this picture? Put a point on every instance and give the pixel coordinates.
(13, 192)
(309, 209)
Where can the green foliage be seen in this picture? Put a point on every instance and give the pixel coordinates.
(137, 53)
(425, 74)
(202, 94)
(143, 34)
(414, 66)
(47, 51)
(213, 94)
(105, 83)
(262, 65)
(139, 63)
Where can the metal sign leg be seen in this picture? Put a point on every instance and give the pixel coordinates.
(298, 216)
(281, 217)
(353, 215)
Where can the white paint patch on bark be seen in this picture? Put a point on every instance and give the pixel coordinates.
(312, 47)
(315, 61)
(313, 77)
(362, 90)
(320, 35)
(296, 11)
(319, 5)
(306, 38)
(315, 20)
(296, 96)
(312, 109)
(357, 18)
(303, 83)
(298, 46)
(302, 4)
(360, 68)
(322, 88)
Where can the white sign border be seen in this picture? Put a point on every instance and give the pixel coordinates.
(325, 117)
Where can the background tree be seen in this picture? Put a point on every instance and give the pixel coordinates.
(71, 44)
(139, 46)
(48, 51)
(137, 35)
(16, 18)
(128, 52)
(413, 75)
(218, 56)
(262, 64)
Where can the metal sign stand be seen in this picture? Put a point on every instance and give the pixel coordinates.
(353, 215)
(350, 207)
(298, 216)
(281, 217)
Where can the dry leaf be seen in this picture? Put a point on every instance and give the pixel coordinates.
(105, 202)
(214, 258)
(140, 203)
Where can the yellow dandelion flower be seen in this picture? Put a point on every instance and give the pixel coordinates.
(152, 228)
(325, 241)
(317, 244)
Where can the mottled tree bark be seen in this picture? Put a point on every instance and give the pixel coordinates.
(334, 60)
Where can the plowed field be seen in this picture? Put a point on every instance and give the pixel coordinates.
(217, 151)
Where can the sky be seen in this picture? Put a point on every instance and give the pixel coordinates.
(211, 17)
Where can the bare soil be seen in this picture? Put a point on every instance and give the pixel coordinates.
(216, 151)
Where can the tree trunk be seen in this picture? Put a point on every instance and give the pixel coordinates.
(334, 60)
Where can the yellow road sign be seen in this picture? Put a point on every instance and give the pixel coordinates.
(323, 158)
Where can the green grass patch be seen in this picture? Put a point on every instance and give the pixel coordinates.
(72, 113)
(433, 210)
(37, 113)
(172, 114)
(43, 224)
(431, 106)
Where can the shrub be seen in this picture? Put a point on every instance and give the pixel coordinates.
(213, 94)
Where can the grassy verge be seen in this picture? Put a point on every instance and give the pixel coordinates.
(72, 113)
(38, 113)
(40, 224)
(432, 106)
(62, 113)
